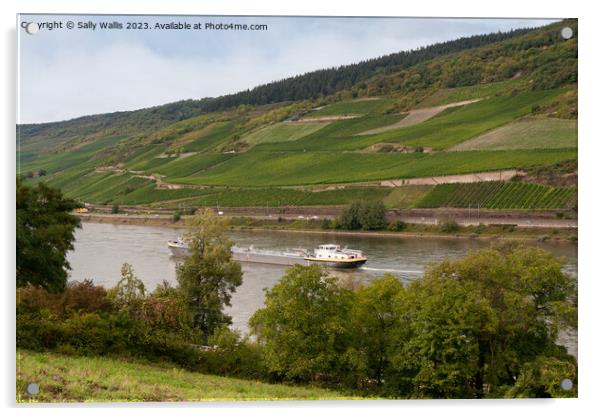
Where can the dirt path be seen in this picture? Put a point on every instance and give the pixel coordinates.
(417, 116)
(324, 119)
(500, 175)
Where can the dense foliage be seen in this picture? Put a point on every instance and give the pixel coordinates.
(208, 276)
(45, 232)
(363, 215)
(486, 325)
(483, 326)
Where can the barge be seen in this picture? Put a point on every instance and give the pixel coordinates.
(331, 255)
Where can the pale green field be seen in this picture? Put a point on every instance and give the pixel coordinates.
(526, 133)
(282, 132)
(406, 196)
(452, 95)
(64, 378)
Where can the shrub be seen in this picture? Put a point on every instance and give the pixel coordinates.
(232, 355)
(115, 209)
(398, 226)
(326, 224)
(177, 215)
(449, 226)
(363, 215)
(78, 297)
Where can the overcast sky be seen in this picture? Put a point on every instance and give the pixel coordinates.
(69, 73)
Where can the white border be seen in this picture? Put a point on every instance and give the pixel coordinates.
(590, 153)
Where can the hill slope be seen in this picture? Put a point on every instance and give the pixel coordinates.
(347, 129)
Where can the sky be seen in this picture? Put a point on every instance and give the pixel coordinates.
(66, 73)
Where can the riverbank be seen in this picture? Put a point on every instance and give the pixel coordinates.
(311, 226)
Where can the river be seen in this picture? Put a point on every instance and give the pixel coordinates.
(101, 249)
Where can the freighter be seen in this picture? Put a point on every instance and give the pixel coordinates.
(331, 255)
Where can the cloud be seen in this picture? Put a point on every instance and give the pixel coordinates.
(65, 76)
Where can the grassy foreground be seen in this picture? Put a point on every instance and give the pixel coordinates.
(100, 379)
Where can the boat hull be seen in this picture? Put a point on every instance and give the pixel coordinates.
(339, 264)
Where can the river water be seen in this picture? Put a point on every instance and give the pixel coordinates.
(101, 249)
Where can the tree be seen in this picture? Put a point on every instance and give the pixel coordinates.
(481, 320)
(374, 315)
(543, 378)
(45, 232)
(304, 326)
(129, 291)
(363, 215)
(208, 276)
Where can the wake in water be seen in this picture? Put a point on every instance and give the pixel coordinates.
(374, 269)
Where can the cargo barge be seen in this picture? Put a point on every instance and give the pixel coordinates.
(331, 255)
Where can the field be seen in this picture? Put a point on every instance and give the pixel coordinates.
(446, 129)
(526, 133)
(498, 195)
(262, 197)
(406, 196)
(81, 157)
(361, 106)
(452, 95)
(282, 132)
(338, 135)
(191, 164)
(256, 169)
(211, 137)
(101, 379)
(456, 125)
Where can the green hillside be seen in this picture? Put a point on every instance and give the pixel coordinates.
(259, 147)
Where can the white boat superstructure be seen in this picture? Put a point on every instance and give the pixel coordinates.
(335, 256)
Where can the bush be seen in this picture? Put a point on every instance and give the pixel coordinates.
(232, 355)
(326, 224)
(449, 226)
(363, 215)
(115, 209)
(177, 215)
(398, 226)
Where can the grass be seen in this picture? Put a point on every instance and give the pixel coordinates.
(82, 156)
(406, 196)
(498, 195)
(337, 135)
(282, 197)
(282, 132)
(446, 129)
(257, 169)
(212, 137)
(526, 133)
(459, 124)
(191, 164)
(352, 107)
(453, 95)
(101, 379)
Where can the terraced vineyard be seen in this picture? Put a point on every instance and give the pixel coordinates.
(516, 109)
(498, 195)
(352, 107)
(256, 169)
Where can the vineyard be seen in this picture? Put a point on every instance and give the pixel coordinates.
(498, 195)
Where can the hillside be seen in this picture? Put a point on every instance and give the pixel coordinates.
(486, 103)
(65, 378)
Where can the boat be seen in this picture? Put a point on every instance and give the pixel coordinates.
(326, 254)
(333, 255)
